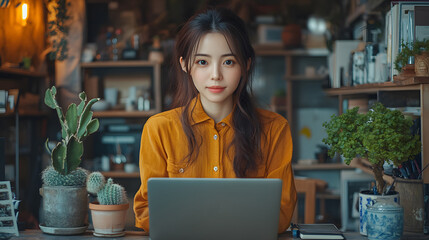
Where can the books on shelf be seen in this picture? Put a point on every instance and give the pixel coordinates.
(319, 231)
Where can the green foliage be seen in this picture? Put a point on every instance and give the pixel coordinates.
(58, 29)
(107, 193)
(51, 177)
(409, 50)
(76, 125)
(380, 135)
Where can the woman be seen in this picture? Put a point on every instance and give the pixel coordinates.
(215, 131)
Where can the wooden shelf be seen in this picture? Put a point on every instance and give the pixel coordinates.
(26, 113)
(263, 51)
(373, 88)
(322, 166)
(123, 113)
(109, 64)
(17, 72)
(121, 174)
(306, 78)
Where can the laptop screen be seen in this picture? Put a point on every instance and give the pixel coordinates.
(207, 208)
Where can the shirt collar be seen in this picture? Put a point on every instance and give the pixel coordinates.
(199, 115)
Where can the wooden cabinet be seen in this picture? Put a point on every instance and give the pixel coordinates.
(98, 75)
(399, 93)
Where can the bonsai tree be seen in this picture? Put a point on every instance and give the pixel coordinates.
(76, 125)
(107, 193)
(410, 50)
(381, 135)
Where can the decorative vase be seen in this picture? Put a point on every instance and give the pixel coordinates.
(421, 64)
(108, 220)
(411, 191)
(64, 206)
(291, 36)
(385, 220)
(367, 198)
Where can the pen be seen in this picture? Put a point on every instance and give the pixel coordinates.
(417, 165)
(403, 172)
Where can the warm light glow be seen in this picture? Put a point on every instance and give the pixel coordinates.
(24, 11)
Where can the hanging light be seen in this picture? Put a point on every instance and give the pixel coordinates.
(23, 10)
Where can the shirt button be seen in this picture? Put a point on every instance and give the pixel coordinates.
(215, 169)
(223, 124)
(215, 137)
(181, 170)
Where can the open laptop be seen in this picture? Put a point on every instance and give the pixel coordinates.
(209, 208)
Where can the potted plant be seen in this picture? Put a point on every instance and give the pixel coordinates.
(381, 135)
(109, 213)
(64, 194)
(420, 51)
(279, 100)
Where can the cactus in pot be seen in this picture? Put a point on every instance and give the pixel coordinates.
(108, 193)
(109, 214)
(65, 198)
(76, 125)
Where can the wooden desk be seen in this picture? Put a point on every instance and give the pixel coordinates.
(137, 235)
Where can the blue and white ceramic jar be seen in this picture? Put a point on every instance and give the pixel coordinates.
(367, 198)
(385, 220)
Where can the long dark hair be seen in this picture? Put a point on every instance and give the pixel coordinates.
(245, 119)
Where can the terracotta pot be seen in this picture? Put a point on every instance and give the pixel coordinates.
(108, 220)
(278, 101)
(291, 36)
(421, 64)
(408, 70)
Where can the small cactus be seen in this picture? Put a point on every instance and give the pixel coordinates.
(77, 177)
(95, 182)
(76, 125)
(107, 193)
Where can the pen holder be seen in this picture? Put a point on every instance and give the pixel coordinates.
(412, 200)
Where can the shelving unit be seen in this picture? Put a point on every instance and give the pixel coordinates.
(124, 114)
(322, 166)
(290, 77)
(123, 66)
(24, 145)
(420, 84)
(121, 174)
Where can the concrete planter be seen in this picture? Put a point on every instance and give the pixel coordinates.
(64, 206)
(108, 220)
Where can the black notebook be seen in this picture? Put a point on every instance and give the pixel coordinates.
(319, 231)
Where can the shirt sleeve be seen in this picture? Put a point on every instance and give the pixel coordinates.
(152, 164)
(279, 166)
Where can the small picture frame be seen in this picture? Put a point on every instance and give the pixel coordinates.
(8, 225)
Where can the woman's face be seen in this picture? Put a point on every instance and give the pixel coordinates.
(215, 71)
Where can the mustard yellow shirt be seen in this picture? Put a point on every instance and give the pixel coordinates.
(164, 148)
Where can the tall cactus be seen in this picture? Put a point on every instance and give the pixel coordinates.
(76, 125)
(107, 193)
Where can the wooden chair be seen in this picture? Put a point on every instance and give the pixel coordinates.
(308, 187)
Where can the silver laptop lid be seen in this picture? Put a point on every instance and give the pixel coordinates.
(208, 208)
